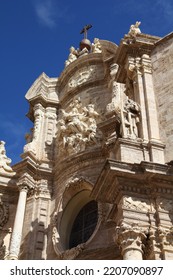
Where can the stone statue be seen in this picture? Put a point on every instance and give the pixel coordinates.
(77, 128)
(96, 46)
(130, 119)
(72, 56)
(4, 160)
(134, 29)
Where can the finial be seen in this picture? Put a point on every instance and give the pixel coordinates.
(85, 44)
(85, 29)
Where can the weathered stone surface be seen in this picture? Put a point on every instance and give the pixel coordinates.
(101, 131)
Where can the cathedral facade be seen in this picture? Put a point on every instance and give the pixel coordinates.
(96, 176)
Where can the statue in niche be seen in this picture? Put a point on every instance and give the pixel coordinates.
(72, 56)
(130, 119)
(77, 129)
(96, 46)
(134, 29)
(4, 160)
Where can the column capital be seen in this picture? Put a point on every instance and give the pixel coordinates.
(26, 183)
(130, 238)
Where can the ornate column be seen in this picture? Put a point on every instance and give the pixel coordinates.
(24, 187)
(130, 240)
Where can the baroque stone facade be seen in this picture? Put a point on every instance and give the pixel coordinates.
(96, 176)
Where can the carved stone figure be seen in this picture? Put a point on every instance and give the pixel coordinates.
(72, 56)
(4, 160)
(134, 29)
(130, 119)
(78, 128)
(96, 46)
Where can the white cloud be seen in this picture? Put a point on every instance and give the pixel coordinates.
(45, 11)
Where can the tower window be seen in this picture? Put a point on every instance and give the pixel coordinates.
(84, 224)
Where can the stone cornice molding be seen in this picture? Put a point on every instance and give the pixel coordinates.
(43, 91)
(30, 164)
(44, 87)
(118, 178)
(141, 45)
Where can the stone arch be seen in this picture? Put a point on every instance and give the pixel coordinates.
(76, 195)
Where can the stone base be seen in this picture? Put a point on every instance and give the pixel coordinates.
(156, 151)
(132, 151)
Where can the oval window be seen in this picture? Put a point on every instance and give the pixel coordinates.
(84, 224)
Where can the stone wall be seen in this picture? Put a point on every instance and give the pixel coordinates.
(162, 61)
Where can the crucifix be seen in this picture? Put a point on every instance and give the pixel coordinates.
(85, 29)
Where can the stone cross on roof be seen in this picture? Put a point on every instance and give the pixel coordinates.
(85, 29)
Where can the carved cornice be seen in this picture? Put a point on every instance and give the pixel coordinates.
(118, 178)
(44, 87)
(133, 47)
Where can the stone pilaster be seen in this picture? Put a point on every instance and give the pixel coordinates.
(130, 241)
(153, 126)
(50, 124)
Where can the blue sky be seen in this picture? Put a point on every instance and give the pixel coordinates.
(36, 36)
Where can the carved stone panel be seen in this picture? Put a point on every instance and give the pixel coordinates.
(86, 74)
(77, 129)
